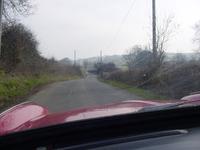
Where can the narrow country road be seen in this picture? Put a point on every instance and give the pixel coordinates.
(68, 95)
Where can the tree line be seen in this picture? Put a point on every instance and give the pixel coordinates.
(19, 49)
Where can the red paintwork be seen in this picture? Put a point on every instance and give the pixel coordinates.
(93, 112)
(191, 97)
(30, 115)
(15, 118)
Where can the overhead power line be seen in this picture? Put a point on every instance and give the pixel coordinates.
(122, 23)
(74, 57)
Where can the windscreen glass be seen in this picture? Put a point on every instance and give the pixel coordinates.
(69, 60)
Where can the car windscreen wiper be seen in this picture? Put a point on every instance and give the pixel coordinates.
(170, 106)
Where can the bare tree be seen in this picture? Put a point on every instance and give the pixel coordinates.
(179, 59)
(197, 33)
(138, 58)
(12, 8)
(164, 33)
(197, 40)
(130, 57)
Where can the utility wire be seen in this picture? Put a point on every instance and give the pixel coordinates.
(122, 23)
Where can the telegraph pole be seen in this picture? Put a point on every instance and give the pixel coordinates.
(74, 57)
(1, 13)
(101, 57)
(154, 28)
(101, 64)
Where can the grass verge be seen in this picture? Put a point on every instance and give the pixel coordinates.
(13, 89)
(146, 94)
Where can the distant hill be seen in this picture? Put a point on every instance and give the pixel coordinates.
(66, 61)
(188, 56)
(118, 60)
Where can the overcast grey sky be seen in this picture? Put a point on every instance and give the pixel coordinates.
(89, 26)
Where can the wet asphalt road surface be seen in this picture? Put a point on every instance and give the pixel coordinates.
(69, 95)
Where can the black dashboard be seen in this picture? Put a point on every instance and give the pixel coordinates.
(188, 140)
(165, 140)
(174, 129)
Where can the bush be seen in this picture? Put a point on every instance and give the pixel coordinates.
(178, 81)
(172, 79)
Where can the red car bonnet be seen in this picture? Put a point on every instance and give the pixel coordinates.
(30, 115)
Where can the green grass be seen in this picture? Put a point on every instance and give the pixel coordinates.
(15, 87)
(146, 94)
